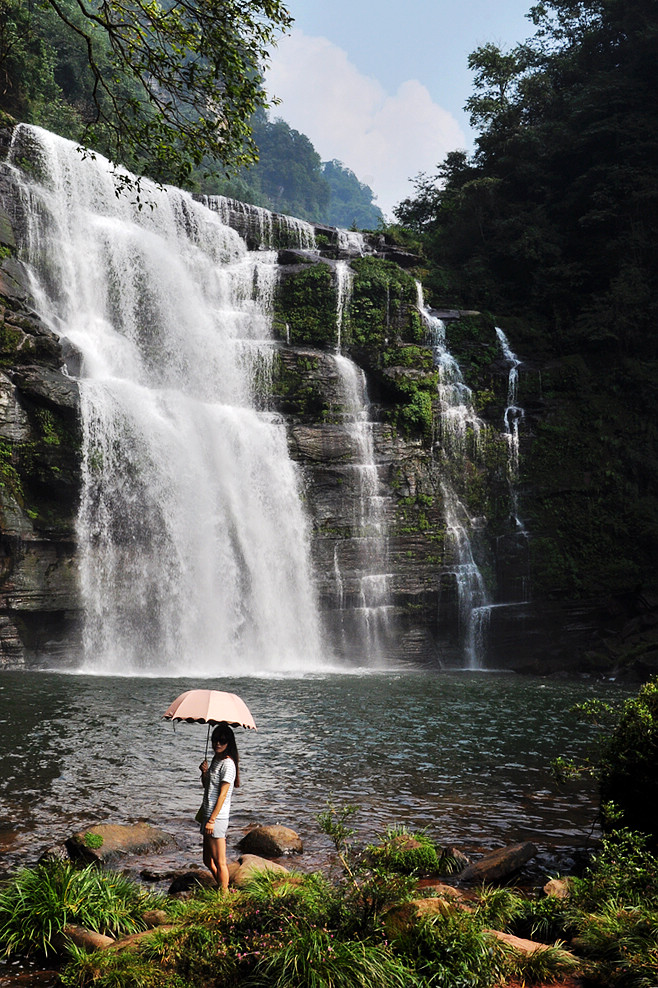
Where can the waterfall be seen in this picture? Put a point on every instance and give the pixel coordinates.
(344, 278)
(260, 228)
(460, 434)
(352, 242)
(371, 610)
(193, 543)
(512, 418)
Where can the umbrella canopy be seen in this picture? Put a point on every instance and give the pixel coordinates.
(210, 707)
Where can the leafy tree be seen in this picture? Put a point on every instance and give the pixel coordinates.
(161, 86)
(625, 763)
(557, 210)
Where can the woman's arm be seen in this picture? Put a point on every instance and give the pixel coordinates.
(221, 796)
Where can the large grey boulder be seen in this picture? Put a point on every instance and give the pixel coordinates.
(105, 842)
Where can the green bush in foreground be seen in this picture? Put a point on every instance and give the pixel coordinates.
(38, 903)
(405, 853)
(307, 931)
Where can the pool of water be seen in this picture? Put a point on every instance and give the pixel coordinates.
(465, 755)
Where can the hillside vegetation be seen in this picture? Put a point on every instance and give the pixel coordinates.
(117, 78)
(551, 226)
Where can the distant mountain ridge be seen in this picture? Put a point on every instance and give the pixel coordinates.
(291, 178)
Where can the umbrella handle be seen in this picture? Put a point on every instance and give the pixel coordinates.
(207, 741)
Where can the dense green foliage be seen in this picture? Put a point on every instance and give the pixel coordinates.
(557, 210)
(359, 928)
(551, 225)
(38, 903)
(610, 915)
(158, 87)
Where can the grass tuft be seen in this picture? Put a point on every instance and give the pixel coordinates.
(38, 903)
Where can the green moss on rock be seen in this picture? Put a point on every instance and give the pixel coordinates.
(305, 308)
(383, 305)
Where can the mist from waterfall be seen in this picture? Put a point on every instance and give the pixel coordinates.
(192, 539)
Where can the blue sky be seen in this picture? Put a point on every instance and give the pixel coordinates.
(381, 85)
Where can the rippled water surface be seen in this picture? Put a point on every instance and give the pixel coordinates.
(466, 755)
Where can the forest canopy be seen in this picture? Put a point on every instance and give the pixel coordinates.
(161, 87)
(556, 213)
(173, 91)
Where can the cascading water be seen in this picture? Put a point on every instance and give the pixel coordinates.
(460, 432)
(352, 242)
(260, 228)
(372, 607)
(512, 419)
(344, 278)
(193, 542)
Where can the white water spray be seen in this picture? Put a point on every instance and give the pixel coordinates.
(193, 542)
(369, 525)
(461, 430)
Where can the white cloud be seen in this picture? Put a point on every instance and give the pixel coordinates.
(385, 139)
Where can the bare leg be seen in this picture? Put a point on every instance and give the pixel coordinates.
(209, 858)
(219, 867)
(219, 852)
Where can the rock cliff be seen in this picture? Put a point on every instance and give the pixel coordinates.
(419, 486)
(39, 476)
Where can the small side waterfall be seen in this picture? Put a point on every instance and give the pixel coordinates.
(460, 432)
(193, 541)
(368, 574)
(344, 278)
(512, 419)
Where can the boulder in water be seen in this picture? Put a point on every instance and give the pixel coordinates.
(499, 864)
(271, 842)
(102, 843)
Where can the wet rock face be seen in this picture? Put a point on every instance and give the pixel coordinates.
(364, 427)
(39, 478)
(373, 495)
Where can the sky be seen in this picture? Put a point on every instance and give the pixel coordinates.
(381, 84)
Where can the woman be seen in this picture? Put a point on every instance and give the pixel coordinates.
(218, 780)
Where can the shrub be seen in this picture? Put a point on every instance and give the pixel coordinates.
(317, 958)
(623, 871)
(452, 950)
(38, 903)
(629, 764)
(405, 853)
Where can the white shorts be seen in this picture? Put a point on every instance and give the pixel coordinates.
(221, 826)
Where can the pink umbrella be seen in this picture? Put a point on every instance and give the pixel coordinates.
(210, 707)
